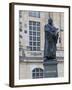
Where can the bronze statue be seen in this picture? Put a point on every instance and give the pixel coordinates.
(51, 37)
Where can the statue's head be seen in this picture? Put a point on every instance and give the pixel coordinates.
(50, 21)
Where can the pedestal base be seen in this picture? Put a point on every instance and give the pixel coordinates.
(50, 68)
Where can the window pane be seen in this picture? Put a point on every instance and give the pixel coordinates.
(37, 69)
(30, 43)
(38, 23)
(38, 28)
(37, 74)
(41, 70)
(34, 43)
(34, 48)
(30, 32)
(33, 74)
(38, 43)
(41, 74)
(30, 27)
(34, 23)
(38, 33)
(30, 38)
(30, 22)
(34, 28)
(34, 38)
(38, 48)
(33, 70)
(34, 33)
(38, 38)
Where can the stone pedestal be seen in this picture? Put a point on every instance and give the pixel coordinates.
(50, 68)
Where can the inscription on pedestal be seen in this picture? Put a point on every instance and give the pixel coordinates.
(50, 69)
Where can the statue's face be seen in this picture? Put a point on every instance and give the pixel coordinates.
(50, 21)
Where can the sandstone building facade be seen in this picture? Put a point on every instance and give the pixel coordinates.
(31, 42)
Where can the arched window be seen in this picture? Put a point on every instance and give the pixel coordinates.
(37, 73)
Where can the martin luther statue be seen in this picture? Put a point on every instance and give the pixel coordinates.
(51, 37)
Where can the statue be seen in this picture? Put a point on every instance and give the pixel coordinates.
(51, 37)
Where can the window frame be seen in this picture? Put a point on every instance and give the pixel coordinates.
(34, 34)
(36, 73)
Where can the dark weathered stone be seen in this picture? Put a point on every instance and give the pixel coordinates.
(51, 36)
